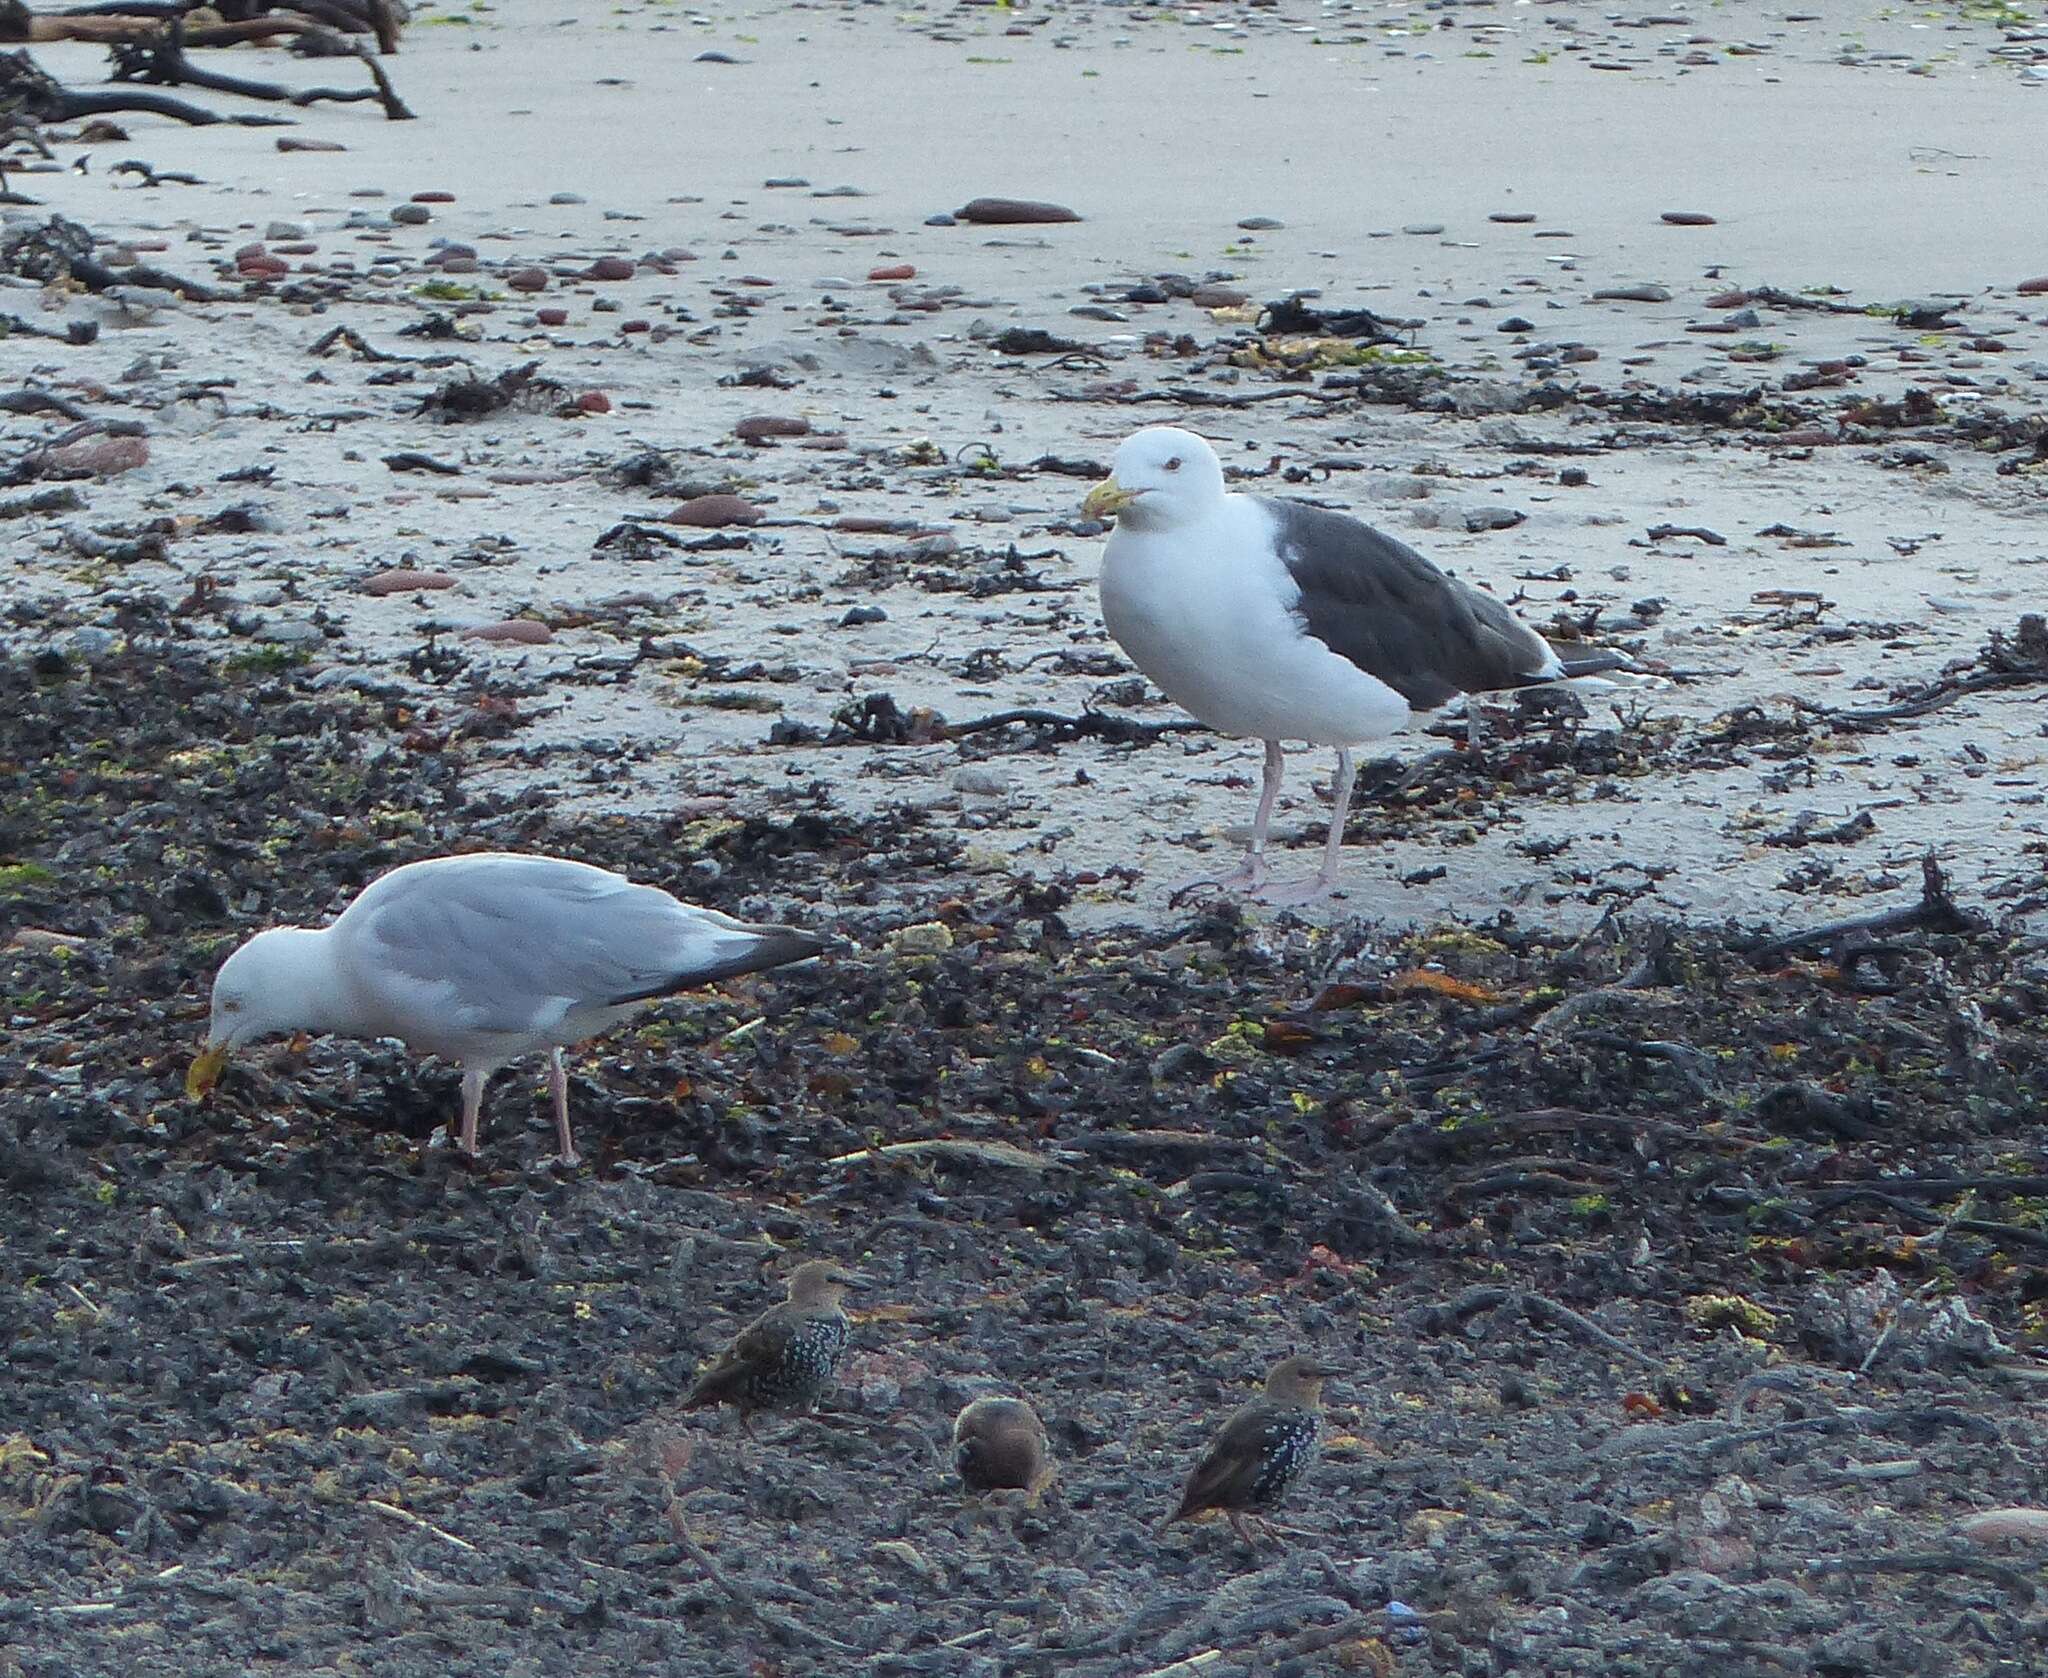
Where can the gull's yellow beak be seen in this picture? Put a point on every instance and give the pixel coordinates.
(205, 1072)
(1107, 499)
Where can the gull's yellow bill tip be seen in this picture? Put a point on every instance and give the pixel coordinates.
(1107, 499)
(205, 1073)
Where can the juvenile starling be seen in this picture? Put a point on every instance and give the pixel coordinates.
(999, 1444)
(1263, 1449)
(784, 1358)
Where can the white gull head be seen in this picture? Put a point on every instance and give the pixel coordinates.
(1163, 479)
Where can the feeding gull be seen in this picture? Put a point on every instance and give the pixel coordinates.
(1282, 621)
(481, 960)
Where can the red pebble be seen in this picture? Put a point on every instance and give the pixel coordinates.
(552, 317)
(715, 510)
(527, 279)
(610, 268)
(894, 271)
(633, 326)
(594, 402)
(526, 631)
(433, 197)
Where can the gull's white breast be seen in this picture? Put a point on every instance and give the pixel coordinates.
(1205, 610)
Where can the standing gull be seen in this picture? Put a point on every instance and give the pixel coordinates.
(1282, 621)
(480, 960)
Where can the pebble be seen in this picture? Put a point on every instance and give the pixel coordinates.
(406, 582)
(1515, 323)
(290, 632)
(927, 938)
(1512, 217)
(1687, 218)
(595, 401)
(552, 317)
(979, 781)
(610, 268)
(867, 525)
(91, 642)
(636, 326)
(103, 457)
(567, 198)
(1632, 294)
(857, 615)
(457, 265)
(1010, 212)
(758, 428)
(893, 271)
(529, 632)
(1420, 228)
(1261, 224)
(433, 197)
(527, 279)
(1493, 518)
(785, 181)
(941, 221)
(412, 215)
(1097, 311)
(2034, 287)
(292, 143)
(714, 511)
(1219, 297)
(285, 230)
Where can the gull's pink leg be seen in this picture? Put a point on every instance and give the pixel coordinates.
(1325, 882)
(558, 1087)
(1250, 874)
(472, 1110)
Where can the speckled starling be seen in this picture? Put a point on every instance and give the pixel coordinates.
(999, 1444)
(784, 1358)
(1263, 1449)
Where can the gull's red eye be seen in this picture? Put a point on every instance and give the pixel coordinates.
(1173, 465)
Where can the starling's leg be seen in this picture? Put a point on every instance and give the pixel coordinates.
(1250, 874)
(558, 1087)
(1243, 1532)
(472, 1110)
(1325, 882)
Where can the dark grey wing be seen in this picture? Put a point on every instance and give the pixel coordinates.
(1230, 1469)
(1392, 613)
(511, 943)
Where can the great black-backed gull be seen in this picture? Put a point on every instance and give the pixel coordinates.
(1282, 621)
(480, 960)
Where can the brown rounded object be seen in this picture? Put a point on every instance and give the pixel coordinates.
(528, 279)
(1009, 212)
(552, 317)
(594, 402)
(1218, 297)
(248, 251)
(406, 582)
(713, 511)
(999, 1444)
(433, 197)
(529, 632)
(893, 271)
(103, 457)
(758, 428)
(610, 268)
(2028, 288)
(635, 326)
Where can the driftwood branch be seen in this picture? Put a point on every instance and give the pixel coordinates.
(1937, 911)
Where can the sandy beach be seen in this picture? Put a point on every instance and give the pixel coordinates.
(1889, 160)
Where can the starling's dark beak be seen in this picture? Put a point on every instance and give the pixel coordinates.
(205, 1071)
(851, 1278)
(1108, 498)
(1325, 1371)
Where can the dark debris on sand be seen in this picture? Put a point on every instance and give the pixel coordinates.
(1687, 1289)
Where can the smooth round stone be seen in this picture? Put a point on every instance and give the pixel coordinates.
(567, 198)
(527, 279)
(411, 215)
(1421, 228)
